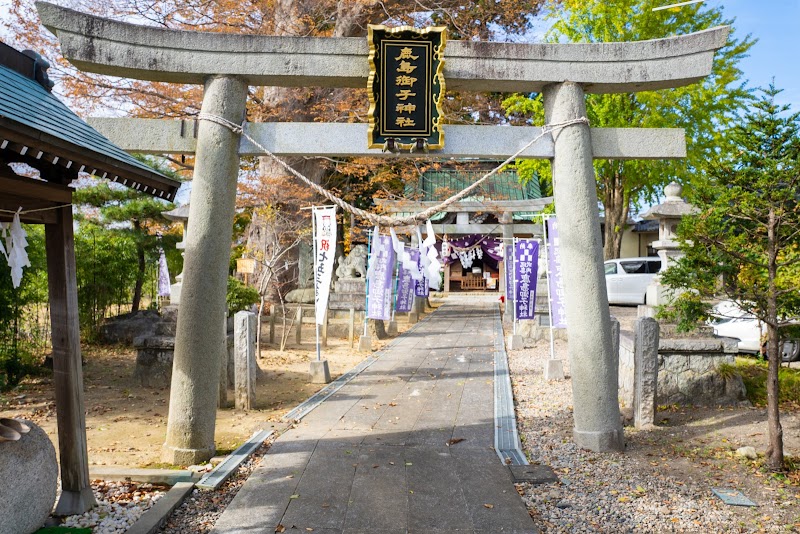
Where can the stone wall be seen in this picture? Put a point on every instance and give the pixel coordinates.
(687, 372)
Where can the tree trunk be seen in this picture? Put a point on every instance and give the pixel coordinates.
(616, 208)
(775, 450)
(137, 290)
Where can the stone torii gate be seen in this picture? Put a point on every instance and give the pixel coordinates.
(227, 64)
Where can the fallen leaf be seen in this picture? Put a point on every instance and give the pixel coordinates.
(392, 404)
(280, 528)
(489, 506)
(454, 441)
(409, 463)
(295, 496)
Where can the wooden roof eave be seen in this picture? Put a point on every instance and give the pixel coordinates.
(52, 149)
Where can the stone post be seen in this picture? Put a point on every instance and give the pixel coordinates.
(645, 365)
(593, 364)
(272, 323)
(244, 336)
(199, 341)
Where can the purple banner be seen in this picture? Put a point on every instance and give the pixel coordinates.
(558, 315)
(380, 281)
(509, 266)
(421, 288)
(526, 266)
(406, 285)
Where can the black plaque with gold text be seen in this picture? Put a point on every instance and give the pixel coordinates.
(406, 87)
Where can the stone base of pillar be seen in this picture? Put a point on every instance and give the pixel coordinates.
(554, 370)
(391, 328)
(413, 317)
(515, 342)
(365, 344)
(600, 441)
(320, 373)
(176, 456)
(75, 502)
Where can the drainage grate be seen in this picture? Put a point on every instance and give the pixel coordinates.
(506, 438)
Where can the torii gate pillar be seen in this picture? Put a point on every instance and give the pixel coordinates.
(593, 364)
(200, 337)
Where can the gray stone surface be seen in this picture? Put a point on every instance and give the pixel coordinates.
(645, 331)
(300, 296)
(28, 477)
(200, 342)
(365, 343)
(320, 372)
(156, 516)
(554, 370)
(593, 363)
(100, 45)
(244, 335)
(125, 328)
(158, 136)
(385, 452)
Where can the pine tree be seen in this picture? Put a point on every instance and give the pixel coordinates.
(744, 242)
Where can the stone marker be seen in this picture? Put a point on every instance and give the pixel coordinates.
(645, 361)
(391, 328)
(245, 360)
(28, 478)
(351, 327)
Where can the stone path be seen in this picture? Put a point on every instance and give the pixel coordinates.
(374, 458)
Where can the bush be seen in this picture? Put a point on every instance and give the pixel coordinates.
(240, 297)
(754, 376)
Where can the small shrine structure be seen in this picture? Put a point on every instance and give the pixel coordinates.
(37, 129)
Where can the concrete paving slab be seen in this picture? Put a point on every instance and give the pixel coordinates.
(374, 457)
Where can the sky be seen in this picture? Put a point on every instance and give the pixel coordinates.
(776, 25)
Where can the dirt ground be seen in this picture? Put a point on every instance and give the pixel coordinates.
(126, 423)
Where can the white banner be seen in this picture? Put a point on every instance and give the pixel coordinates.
(324, 254)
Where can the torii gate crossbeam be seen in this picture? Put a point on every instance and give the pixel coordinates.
(226, 64)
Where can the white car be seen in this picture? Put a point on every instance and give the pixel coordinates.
(627, 278)
(729, 320)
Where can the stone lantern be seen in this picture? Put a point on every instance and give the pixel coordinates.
(181, 215)
(668, 214)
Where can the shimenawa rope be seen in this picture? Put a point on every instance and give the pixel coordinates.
(374, 218)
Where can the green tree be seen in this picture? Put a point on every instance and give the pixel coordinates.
(24, 318)
(744, 241)
(703, 109)
(129, 210)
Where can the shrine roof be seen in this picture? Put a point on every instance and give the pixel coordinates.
(36, 124)
(505, 186)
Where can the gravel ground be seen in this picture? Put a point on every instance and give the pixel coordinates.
(119, 505)
(652, 487)
(200, 511)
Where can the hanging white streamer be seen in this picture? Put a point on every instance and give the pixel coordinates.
(16, 241)
(404, 257)
(373, 251)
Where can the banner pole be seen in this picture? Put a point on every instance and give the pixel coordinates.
(545, 234)
(316, 259)
(396, 283)
(366, 300)
(514, 266)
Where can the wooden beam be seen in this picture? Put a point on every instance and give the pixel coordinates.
(22, 186)
(76, 493)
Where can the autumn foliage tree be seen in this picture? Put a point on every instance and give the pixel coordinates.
(263, 182)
